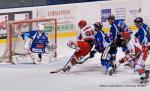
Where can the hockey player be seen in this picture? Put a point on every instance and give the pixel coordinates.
(135, 54)
(123, 27)
(83, 44)
(101, 39)
(36, 41)
(143, 34)
(101, 42)
(110, 51)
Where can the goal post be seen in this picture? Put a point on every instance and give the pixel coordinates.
(15, 43)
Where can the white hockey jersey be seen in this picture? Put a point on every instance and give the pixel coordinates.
(134, 47)
(86, 33)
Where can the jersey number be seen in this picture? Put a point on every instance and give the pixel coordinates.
(89, 33)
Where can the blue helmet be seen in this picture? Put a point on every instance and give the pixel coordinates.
(98, 26)
(138, 20)
(111, 17)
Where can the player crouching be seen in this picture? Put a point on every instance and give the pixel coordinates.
(83, 45)
(36, 42)
(102, 42)
(135, 54)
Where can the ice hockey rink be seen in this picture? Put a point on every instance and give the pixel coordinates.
(82, 77)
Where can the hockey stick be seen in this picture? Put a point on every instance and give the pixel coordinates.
(59, 70)
(67, 64)
(81, 62)
(118, 66)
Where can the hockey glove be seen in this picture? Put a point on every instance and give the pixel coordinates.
(72, 45)
(51, 47)
(100, 50)
(124, 59)
(92, 53)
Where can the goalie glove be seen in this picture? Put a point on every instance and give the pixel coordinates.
(51, 47)
(72, 45)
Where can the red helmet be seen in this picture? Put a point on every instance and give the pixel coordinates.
(82, 23)
(125, 35)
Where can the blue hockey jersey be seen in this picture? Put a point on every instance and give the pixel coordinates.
(39, 41)
(101, 40)
(124, 27)
(114, 31)
(143, 34)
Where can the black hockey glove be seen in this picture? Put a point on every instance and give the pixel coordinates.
(100, 50)
(92, 53)
(136, 35)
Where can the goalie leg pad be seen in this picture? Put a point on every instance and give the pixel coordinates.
(27, 43)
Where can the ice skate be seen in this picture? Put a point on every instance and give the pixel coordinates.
(114, 68)
(67, 69)
(143, 80)
(111, 72)
(147, 74)
(37, 61)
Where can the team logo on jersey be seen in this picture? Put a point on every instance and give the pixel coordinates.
(39, 46)
(44, 37)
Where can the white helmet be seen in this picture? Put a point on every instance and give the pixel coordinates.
(40, 27)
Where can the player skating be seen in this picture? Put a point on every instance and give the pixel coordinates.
(101, 42)
(36, 42)
(135, 53)
(83, 45)
(110, 51)
(143, 33)
(124, 28)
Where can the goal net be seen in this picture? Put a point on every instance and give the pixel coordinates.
(17, 46)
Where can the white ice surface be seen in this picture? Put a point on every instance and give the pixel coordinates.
(84, 77)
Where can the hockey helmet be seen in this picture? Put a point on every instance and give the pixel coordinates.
(138, 20)
(121, 24)
(112, 17)
(125, 35)
(82, 23)
(40, 27)
(98, 26)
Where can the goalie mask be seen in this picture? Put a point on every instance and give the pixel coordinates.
(40, 28)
